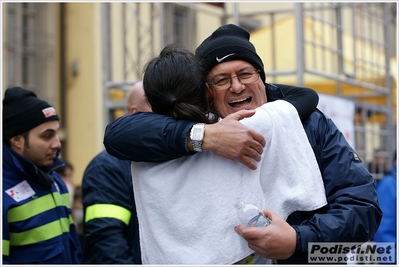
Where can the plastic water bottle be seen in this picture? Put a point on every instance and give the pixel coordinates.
(250, 215)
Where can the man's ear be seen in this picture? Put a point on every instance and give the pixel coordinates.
(17, 141)
(132, 109)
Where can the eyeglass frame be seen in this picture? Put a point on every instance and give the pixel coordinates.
(236, 76)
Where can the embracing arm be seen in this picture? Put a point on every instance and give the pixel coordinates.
(305, 100)
(148, 137)
(151, 137)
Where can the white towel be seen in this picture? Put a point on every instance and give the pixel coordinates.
(185, 206)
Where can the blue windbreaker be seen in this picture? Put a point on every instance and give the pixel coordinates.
(37, 222)
(386, 190)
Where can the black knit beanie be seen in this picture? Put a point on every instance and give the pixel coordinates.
(23, 111)
(228, 42)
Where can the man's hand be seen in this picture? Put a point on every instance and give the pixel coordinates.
(275, 241)
(231, 139)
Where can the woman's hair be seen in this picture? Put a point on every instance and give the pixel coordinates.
(174, 85)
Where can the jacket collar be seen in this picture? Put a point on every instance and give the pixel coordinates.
(43, 175)
(273, 92)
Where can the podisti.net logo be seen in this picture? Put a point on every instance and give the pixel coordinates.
(350, 252)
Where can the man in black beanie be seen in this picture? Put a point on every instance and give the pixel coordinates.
(37, 225)
(225, 53)
(232, 69)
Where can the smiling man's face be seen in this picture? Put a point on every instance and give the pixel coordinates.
(239, 96)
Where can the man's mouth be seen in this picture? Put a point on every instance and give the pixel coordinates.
(240, 102)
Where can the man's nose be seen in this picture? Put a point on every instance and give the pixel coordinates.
(235, 85)
(57, 142)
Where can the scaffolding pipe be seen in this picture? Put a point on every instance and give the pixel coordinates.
(161, 26)
(236, 17)
(106, 58)
(300, 50)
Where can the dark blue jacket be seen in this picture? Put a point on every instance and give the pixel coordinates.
(37, 222)
(352, 215)
(386, 190)
(111, 226)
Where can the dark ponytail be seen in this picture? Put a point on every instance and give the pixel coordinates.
(174, 85)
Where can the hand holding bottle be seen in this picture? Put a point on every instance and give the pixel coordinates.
(250, 215)
(277, 241)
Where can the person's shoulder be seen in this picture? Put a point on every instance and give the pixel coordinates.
(317, 117)
(12, 167)
(102, 157)
(105, 160)
(285, 87)
(319, 125)
(275, 91)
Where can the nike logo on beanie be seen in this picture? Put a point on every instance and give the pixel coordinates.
(221, 59)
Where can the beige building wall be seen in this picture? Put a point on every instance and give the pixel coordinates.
(84, 112)
(84, 107)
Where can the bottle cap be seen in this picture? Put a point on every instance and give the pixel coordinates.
(238, 203)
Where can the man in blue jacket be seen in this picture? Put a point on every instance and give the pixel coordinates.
(111, 227)
(352, 215)
(386, 190)
(37, 222)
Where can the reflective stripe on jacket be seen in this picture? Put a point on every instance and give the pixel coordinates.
(98, 211)
(37, 223)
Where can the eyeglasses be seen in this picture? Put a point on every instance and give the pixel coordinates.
(223, 81)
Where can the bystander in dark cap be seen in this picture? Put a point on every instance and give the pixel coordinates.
(228, 42)
(23, 111)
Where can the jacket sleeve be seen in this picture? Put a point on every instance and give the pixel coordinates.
(151, 137)
(352, 213)
(109, 211)
(305, 100)
(148, 137)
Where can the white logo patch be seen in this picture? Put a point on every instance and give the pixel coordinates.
(50, 111)
(221, 59)
(21, 191)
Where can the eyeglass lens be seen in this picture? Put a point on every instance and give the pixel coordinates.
(246, 76)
